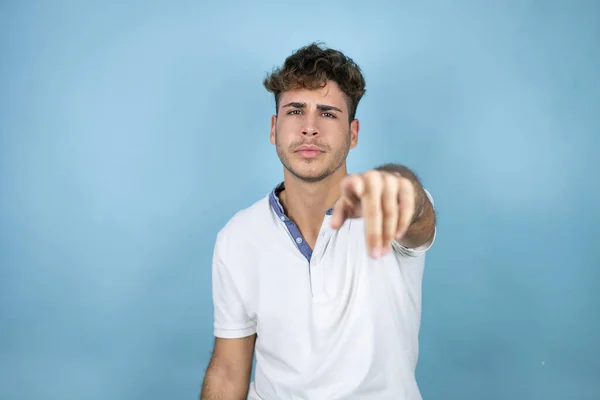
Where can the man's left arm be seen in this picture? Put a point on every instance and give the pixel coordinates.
(421, 229)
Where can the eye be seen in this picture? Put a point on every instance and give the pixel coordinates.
(329, 115)
(294, 112)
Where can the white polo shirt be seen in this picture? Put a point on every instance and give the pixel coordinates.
(331, 323)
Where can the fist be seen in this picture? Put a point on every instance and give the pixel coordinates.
(386, 200)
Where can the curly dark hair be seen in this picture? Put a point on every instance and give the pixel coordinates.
(311, 67)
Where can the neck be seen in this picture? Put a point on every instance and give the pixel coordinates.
(306, 203)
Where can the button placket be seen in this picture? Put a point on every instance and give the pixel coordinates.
(316, 268)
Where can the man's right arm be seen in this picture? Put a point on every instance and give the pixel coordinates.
(228, 373)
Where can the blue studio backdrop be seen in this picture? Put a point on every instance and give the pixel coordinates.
(130, 132)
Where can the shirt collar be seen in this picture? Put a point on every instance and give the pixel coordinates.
(276, 204)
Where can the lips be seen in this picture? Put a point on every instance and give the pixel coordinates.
(308, 147)
(309, 151)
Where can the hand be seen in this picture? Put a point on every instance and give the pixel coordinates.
(387, 202)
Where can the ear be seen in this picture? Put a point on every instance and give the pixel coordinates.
(354, 128)
(273, 129)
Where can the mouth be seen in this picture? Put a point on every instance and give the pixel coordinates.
(309, 151)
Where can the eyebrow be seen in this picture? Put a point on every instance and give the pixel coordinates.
(320, 107)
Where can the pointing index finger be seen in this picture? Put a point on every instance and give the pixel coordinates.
(339, 214)
(353, 187)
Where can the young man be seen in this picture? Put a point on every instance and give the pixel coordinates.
(322, 277)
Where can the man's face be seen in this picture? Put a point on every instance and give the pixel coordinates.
(312, 132)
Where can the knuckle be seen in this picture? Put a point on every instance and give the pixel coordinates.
(405, 219)
(388, 233)
(407, 186)
(390, 179)
(372, 212)
(373, 237)
(372, 174)
(390, 205)
(372, 178)
(354, 178)
(350, 180)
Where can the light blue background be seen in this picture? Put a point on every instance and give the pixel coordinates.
(132, 131)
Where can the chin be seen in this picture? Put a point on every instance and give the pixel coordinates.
(310, 174)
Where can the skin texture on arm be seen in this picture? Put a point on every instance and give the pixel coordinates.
(228, 373)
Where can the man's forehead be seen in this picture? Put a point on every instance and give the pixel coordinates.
(329, 94)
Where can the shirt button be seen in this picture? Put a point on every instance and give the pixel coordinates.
(282, 218)
(298, 240)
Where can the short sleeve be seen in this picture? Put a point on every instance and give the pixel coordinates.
(418, 251)
(231, 320)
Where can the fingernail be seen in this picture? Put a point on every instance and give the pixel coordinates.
(376, 252)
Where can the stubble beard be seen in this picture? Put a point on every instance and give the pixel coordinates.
(339, 157)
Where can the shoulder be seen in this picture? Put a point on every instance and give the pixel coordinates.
(245, 224)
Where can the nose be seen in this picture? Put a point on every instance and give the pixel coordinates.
(310, 127)
(310, 124)
(310, 132)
